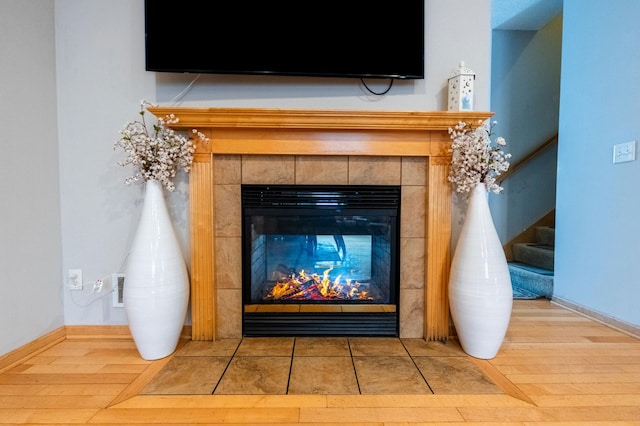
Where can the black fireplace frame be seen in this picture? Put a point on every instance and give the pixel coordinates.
(341, 200)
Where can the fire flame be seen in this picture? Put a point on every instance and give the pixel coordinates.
(303, 286)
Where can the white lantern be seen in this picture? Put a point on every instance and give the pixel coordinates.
(461, 89)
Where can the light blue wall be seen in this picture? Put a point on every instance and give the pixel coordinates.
(597, 225)
(525, 92)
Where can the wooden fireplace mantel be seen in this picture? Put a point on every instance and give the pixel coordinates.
(254, 131)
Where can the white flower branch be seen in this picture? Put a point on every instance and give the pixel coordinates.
(159, 154)
(476, 158)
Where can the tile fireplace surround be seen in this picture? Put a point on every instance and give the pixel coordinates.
(333, 147)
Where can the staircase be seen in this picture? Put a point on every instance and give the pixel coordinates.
(531, 267)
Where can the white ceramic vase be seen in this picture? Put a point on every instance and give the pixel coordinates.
(156, 290)
(480, 292)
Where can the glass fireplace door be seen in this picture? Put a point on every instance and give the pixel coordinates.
(328, 252)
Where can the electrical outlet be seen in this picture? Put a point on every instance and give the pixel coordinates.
(75, 279)
(117, 290)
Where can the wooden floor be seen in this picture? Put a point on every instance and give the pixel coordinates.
(555, 366)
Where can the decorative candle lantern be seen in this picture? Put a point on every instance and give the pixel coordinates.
(461, 89)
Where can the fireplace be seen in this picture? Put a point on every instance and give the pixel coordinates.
(349, 148)
(320, 260)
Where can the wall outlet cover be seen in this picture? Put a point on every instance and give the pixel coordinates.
(75, 279)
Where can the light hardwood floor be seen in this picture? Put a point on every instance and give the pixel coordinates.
(556, 367)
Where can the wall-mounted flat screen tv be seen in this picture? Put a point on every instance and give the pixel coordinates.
(328, 38)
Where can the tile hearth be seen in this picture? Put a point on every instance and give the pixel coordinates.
(320, 366)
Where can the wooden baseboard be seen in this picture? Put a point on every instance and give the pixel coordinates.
(42, 343)
(624, 327)
(109, 332)
(97, 332)
(31, 349)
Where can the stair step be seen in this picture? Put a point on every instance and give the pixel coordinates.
(546, 235)
(531, 268)
(531, 278)
(520, 293)
(539, 255)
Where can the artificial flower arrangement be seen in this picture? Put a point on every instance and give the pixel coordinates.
(476, 158)
(157, 154)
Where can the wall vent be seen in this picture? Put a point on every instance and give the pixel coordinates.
(117, 283)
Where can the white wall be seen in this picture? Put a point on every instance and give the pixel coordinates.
(101, 80)
(525, 92)
(30, 250)
(597, 226)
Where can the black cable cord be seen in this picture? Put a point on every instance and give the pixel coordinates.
(377, 93)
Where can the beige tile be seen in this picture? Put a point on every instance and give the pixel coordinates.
(414, 171)
(332, 170)
(412, 313)
(374, 170)
(227, 169)
(321, 346)
(326, 375)
(421, 348)
(376, 346)
(412, 214)
(255, 375)
(221, 347)
(266, 346)
(229, 313)
(228, 211)
(228, 258)
(412, 265)
(268, 169)
(389, 375)
(455, 375)
(322, 366)
(188, 376)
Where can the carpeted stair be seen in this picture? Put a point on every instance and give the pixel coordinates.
(531, 269)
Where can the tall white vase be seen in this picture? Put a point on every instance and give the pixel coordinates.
(480, 292)
(156, 290)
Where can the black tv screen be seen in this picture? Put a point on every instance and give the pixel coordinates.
(328, 38)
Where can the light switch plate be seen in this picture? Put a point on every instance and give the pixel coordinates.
(624, 152)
